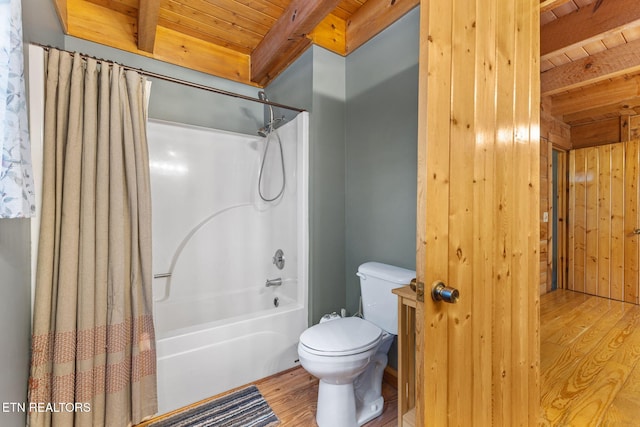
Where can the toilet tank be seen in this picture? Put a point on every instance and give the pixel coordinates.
(379, 305)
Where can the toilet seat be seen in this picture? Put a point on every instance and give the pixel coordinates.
(341, 337)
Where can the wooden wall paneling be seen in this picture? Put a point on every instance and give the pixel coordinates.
(555, 131)
(617, 222)
(604, 221)
(631, 222)
(591, 224)
(571, 229)
(545, 207)
(604, 256)
(634, 127)
(579, 221)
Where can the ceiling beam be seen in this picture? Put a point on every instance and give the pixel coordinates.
(148, 13)
(373, 17)
(546, 5)
(610, 63)
(586, 26)
(598, 95)
(625, 107)
(297, 21)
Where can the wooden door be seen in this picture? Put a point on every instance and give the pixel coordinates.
(603, 216)
(478, 213)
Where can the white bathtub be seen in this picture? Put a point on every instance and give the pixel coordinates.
(204, 359)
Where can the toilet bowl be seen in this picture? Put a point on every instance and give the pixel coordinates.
(337, 352)
(348, 355)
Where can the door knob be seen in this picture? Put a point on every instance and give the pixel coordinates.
(440, 292)
(636, 231)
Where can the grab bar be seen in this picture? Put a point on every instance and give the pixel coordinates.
(161, 275)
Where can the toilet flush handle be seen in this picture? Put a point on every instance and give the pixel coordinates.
(362, 276)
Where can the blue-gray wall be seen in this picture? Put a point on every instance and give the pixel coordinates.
(316, 81)
(381, 151)
(15, 317)
(363, 135)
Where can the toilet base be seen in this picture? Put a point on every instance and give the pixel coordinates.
(336, 405)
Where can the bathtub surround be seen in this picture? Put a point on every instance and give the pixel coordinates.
(218, 324)
(92, 320)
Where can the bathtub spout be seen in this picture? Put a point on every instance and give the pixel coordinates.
(273, 282)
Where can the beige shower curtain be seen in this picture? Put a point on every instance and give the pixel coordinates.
(93, 345)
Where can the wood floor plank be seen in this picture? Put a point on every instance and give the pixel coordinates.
(589, 373)
(625, 408)
(552, 304)
(572, 318)
(552, 354)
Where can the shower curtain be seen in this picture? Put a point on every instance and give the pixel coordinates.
(93, 345)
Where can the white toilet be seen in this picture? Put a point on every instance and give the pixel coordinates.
(349, 354)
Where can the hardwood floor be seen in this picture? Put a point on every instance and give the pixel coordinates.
(589, 354)
(292, 395)
(589, 362)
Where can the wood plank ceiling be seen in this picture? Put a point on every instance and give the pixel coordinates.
(249, 41)
(590, 49)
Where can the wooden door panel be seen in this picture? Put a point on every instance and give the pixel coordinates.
(479, 213)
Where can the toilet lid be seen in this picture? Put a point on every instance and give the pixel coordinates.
(341, 337)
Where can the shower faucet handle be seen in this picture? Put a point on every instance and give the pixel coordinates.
(278, 259)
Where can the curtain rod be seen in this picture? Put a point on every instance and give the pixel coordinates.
(179, 81)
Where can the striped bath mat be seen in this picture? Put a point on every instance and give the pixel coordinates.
(242, 408)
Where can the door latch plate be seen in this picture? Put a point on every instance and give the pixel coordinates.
(420, 292)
